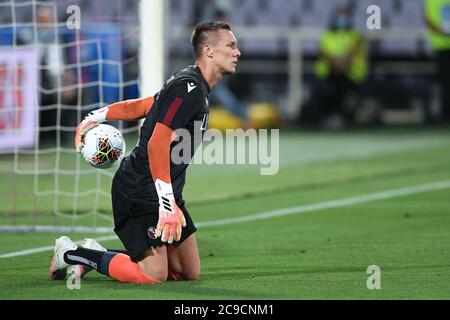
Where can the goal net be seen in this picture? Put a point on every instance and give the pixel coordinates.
(58, 61)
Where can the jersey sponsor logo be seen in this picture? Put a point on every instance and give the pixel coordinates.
(191, 86)
(151, 232)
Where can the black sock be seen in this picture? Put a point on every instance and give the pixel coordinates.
(99, 260)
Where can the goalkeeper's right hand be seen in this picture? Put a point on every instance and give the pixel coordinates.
(92, 120)
(171, 218)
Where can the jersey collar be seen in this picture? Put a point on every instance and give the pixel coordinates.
(203, 79)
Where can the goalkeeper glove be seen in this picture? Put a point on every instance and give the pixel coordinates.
(171, 218)
(92, 120)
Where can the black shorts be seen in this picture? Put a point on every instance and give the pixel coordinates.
(135, 223)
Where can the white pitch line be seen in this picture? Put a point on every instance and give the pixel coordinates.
(285, 212)
(48, 248)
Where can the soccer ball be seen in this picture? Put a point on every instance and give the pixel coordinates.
(103, 146)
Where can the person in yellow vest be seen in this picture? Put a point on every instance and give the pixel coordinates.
(437, 19)
(341, 67)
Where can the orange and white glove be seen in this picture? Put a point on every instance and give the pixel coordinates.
(92, 120)
(171, 218)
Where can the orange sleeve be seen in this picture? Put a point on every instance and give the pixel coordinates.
(133, 109)
(158, 149)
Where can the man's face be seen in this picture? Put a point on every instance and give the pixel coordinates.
(225, 52)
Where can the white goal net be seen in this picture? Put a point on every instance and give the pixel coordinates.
(58, 61)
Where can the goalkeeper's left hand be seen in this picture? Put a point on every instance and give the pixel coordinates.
(92, 120)
(171, 217)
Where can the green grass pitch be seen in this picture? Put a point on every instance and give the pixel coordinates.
(309, 254)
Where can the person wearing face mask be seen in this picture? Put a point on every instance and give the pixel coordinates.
(340, 69)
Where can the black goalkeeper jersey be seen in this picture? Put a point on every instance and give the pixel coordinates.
(182, 103)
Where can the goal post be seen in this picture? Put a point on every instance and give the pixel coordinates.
(152, 46)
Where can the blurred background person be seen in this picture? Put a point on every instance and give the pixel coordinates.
(54, 77)
(340, 70)
(437, 20)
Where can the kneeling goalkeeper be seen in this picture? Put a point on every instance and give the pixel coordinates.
(150, 217)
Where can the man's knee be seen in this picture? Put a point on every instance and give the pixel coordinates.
(158, 274)
(154, 265)
(155, 273)
(191, 273)
(177, 272)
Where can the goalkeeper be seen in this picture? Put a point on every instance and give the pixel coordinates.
(150, 216)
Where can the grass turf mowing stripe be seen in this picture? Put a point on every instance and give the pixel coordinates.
(286, 211)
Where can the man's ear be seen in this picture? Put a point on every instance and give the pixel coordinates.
(208, 50)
